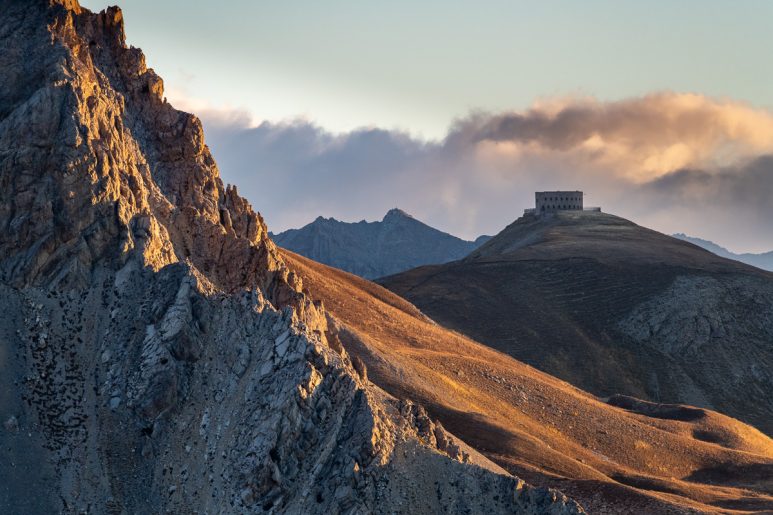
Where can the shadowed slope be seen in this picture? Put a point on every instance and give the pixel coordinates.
(634, 458)
(613, 307)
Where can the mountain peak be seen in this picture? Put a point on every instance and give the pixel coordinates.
(396, 213)
(71, 5)
(579, 234)
(376, 249)
(84, 93)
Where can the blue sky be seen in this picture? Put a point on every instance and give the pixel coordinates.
(418, 65)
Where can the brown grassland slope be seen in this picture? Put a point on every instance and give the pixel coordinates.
(619, 456)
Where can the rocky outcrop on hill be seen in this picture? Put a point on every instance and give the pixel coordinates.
(613, 307)
(158, 356)
(141, 394)
(397, 243)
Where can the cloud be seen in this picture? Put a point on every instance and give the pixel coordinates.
(225, 117)
(740, 192)
(642, 138)
(675, 162)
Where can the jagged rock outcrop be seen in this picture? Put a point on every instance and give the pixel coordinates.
(397, 243)
(157, 354)
(96, 163)
(142, 395)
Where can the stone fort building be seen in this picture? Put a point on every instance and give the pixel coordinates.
(552, 201)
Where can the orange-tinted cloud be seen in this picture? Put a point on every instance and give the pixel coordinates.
(640, 139)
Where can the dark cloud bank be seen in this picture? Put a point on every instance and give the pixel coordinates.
(676, 163)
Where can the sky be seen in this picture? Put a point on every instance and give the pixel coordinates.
(457, 111)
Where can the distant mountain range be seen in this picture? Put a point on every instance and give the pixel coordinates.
(763, 260)
(397, 243)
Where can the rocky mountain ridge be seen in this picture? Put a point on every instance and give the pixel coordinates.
(158, 354)
(397, 243)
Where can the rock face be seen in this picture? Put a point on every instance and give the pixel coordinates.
(397, 243)
(763, 260)
(157, 354)
(612, 308)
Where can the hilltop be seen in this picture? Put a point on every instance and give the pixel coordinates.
(613, 307)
